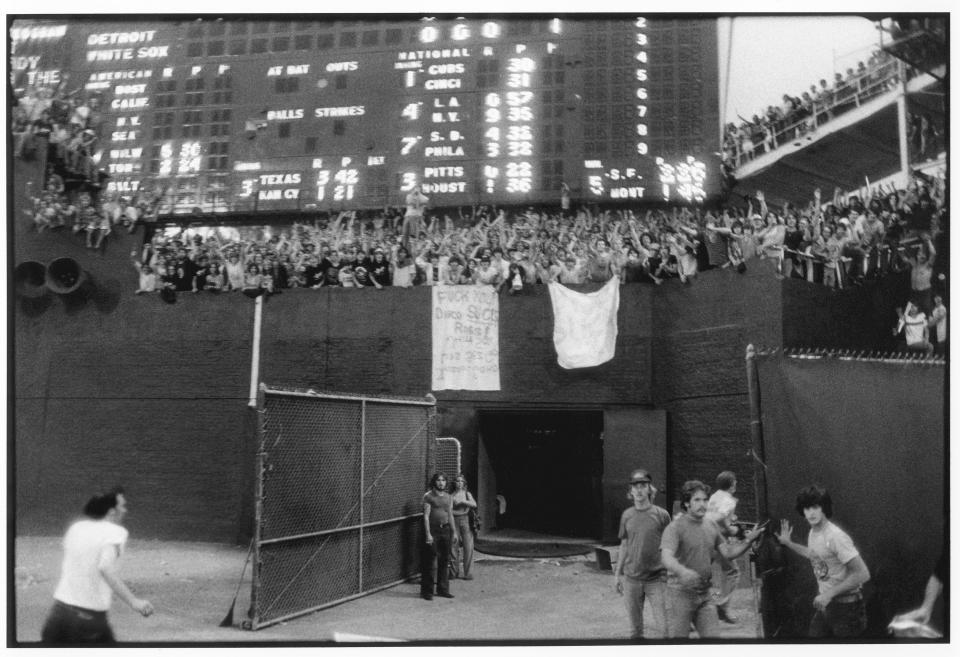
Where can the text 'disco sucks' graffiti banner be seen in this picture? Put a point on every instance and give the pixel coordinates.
(466, 338)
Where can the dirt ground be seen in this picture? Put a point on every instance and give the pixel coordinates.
(191, 585)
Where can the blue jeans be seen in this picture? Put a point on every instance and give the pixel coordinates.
(462, 554)
(685, 606)
(435, 560)
(729, 577)
(635, 592)
(839, 619)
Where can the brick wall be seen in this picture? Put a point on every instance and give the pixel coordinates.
(699, 374)
(379, 342)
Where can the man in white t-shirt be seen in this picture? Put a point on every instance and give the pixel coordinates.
(837, 566)
(913, 323)
(89, 575)
(721, 509)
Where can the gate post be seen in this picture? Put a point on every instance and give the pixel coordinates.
(756, 434)
(362, 497)
(258, 507)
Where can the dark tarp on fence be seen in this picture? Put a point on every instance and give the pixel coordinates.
(872, 433)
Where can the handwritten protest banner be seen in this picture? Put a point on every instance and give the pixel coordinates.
(466, 338)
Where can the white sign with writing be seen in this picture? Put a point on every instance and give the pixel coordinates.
(466, 338)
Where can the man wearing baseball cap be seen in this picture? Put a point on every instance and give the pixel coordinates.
(640, 575)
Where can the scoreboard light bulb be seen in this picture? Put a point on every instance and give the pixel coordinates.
(490, 30)
(429, 34)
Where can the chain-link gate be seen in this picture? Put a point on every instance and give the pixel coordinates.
(447, 457)
(340, 482)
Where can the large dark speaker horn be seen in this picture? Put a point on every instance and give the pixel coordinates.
(65, 275)
(29, 277)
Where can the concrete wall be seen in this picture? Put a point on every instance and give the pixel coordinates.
(111, 389)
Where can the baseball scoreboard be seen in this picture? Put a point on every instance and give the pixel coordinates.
(234, 114)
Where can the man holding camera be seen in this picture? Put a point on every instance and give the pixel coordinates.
(721, 509)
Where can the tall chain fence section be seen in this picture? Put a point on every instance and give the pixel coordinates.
(340, 482)
(448, 457)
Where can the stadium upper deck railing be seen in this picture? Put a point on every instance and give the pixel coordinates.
(884, 78)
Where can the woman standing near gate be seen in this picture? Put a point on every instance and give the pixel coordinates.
(463, 505)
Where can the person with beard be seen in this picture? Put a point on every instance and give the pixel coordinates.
(688, 549)
(440, 534)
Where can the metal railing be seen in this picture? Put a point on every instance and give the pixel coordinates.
(859, 90)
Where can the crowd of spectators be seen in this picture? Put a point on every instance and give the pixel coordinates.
(77, 210)
(843, 242)
(835, 242)
(70, 122)
(799, 115)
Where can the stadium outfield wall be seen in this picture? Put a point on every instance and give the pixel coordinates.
(125, 389)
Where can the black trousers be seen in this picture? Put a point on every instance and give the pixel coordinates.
(69, 624)
(435, 561)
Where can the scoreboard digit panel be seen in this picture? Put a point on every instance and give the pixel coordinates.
(474, 111)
